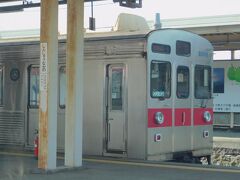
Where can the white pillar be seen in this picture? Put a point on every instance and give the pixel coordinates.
(74, 70)
(48, 85)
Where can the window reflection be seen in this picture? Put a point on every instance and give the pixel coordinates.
(116, 89)
(160, 79)
(33, 86)
(202, 82)
(182, 82)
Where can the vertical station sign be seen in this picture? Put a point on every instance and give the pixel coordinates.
(43, 77)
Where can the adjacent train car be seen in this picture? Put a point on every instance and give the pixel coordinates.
(147, 95)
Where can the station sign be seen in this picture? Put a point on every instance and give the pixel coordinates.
(43, 77)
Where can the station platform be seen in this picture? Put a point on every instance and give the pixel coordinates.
(22, 166)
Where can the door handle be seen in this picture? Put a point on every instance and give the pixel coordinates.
(110, 119)
(183, 118)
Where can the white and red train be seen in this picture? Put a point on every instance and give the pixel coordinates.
(147, 95)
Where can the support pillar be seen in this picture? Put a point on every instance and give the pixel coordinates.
(74, 71)
(48, 85)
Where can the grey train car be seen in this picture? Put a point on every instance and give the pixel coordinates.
(147, 95)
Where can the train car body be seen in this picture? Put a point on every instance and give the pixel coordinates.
(147, 95)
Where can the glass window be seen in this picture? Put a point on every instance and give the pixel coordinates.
(116, 88)
(218, 79)
(182, 82)
(202, 82)
(160, 79)
(33, 86)
(222, 55)
(161, 48)
(62, 86)
(183, 48)
(237, 54)
(1, 85)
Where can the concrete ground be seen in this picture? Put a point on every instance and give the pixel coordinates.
(20, 166)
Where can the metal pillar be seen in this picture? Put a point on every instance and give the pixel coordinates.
(74, 70)
(48, 85)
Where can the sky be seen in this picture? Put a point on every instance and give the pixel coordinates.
(106, 12)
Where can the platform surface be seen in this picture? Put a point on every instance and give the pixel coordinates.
(22, 166)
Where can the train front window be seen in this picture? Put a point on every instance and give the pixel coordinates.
(33, 86)
(202, 82)
(161, 48)
(182, 82)
(160, 79)
(183, 48)
(1, 85)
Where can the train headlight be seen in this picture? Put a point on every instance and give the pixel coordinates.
(159, 117)
(207, 116)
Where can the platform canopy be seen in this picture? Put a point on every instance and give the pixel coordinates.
(36, 3)
(4, 1)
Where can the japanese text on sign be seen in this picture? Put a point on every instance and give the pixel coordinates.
(43, 67)
(43, 77)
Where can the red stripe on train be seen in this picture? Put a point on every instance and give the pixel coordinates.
(182, 117)
(198, 116)
(167, 113)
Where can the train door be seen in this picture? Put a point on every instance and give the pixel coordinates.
(116, 108)
(182, 102)
(33, 103)
(202, 113)
(182, 109)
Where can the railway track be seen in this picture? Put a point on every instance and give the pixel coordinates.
(226, 151)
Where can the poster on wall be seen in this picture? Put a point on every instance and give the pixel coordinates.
(226, 86)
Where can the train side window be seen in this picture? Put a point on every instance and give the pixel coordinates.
(1, 85)
(202, 82)
(62, 86)
(33, 86)
(182, 82)
(160, 82)
(183, 48)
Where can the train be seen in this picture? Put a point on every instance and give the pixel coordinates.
(147, 93)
